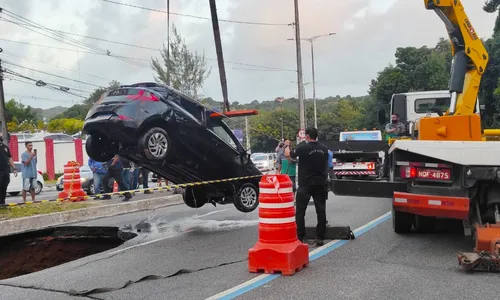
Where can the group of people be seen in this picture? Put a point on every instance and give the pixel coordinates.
(124, 172)
(313, 160)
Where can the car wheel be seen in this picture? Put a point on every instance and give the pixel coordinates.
(14, 193)
(100, 148)
(39, 188)
(155, 144)
(247, 198)
(194, 198)
(402, 221)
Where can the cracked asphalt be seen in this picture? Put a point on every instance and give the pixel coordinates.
(211, 244)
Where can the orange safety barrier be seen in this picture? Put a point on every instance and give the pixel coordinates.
(72, 190)
(278, 248)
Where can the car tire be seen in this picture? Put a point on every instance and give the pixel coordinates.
(155, 144)
(39, 187)
(247, 198)
(100, 148)
(402, 221)
(14, 193)
(193, 198)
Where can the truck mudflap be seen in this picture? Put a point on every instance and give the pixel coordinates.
(363, 188)
(432, 205)
(486, 255)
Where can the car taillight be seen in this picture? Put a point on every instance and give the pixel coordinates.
(40, 172)
(124, 118)
(408, 172)
(142, 95)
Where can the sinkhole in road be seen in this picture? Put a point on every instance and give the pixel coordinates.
(33, 251)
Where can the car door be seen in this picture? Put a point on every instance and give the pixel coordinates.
(15, 184)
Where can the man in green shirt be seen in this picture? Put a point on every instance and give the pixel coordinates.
(289, 165)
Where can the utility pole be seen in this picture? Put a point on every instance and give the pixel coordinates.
(3, 118)
(280, 100)
(247, 133)
(168, 42)
(299, 70)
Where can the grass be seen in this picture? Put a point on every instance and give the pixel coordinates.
(26, 210)
(50, 182)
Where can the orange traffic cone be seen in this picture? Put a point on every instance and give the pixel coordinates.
(278, 248)
(72, 190)
(115, 187)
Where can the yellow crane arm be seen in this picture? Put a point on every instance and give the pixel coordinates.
(469, 55)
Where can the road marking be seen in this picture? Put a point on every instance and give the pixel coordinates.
(313, 255)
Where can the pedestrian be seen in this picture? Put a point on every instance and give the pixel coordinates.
(313, 175)
(125, 173)
(6, 164)
(135, 172)
(28, 171)
(115, 170)
(98, 171)
(280, 155)
(145, 182)
(289, 165)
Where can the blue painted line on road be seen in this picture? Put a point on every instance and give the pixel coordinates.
(313, 255)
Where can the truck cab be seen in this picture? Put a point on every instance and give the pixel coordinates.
(412, 106)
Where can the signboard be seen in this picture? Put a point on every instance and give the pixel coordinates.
(302, 135)
(372, 135)
(239, 134)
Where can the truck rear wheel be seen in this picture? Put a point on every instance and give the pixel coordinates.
(424, 224)
(402, 221)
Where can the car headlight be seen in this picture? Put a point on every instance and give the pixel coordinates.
(83, 179)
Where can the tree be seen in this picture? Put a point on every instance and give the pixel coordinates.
(187, 70)
(21, 112)
(491, 6)
(68, 126)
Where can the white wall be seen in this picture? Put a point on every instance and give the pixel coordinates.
(63, 152)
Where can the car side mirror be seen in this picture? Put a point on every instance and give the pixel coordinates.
(381, 116)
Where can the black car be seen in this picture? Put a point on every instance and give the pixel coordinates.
(177, 138)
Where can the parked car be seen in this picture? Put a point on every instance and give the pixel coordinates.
(16, 183)
(265, 162)
(87, 180)
(175, 137)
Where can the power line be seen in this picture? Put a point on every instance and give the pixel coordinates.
(198, 17)
(55, 66)
(41, 83)
(50, 74)
(34, 97)
(135, 46)
(65, 39)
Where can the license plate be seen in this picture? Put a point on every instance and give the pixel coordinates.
(434, 174)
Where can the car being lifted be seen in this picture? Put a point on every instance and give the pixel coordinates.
(176, 137)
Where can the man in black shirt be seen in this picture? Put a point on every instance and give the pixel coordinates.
(6, 164)
(313, 175)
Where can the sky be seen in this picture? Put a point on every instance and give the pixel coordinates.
(367, 33)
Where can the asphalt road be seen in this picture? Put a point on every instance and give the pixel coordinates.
(378, 264)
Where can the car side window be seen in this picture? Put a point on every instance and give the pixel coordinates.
(18, 167)
(223, 135)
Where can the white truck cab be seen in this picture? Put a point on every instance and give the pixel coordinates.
(412, 106)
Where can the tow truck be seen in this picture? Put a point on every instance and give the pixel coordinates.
(447, 167)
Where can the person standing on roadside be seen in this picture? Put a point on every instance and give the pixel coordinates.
(145, 180)
(28, 171)
(115, 169)
(98, 171)
(313, 175)
(280, 155)
(6, 164)
(289, 165)
(126, 166)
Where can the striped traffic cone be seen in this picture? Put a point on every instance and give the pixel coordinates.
(278, 248)
(115, 187)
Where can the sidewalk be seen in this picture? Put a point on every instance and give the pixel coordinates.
(97, 209)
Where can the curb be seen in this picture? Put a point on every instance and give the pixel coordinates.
(19, 225)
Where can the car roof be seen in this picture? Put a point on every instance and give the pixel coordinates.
(153, 85)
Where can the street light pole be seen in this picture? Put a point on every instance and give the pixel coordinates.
(314, 86)
(168, 42)
(311, 40)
